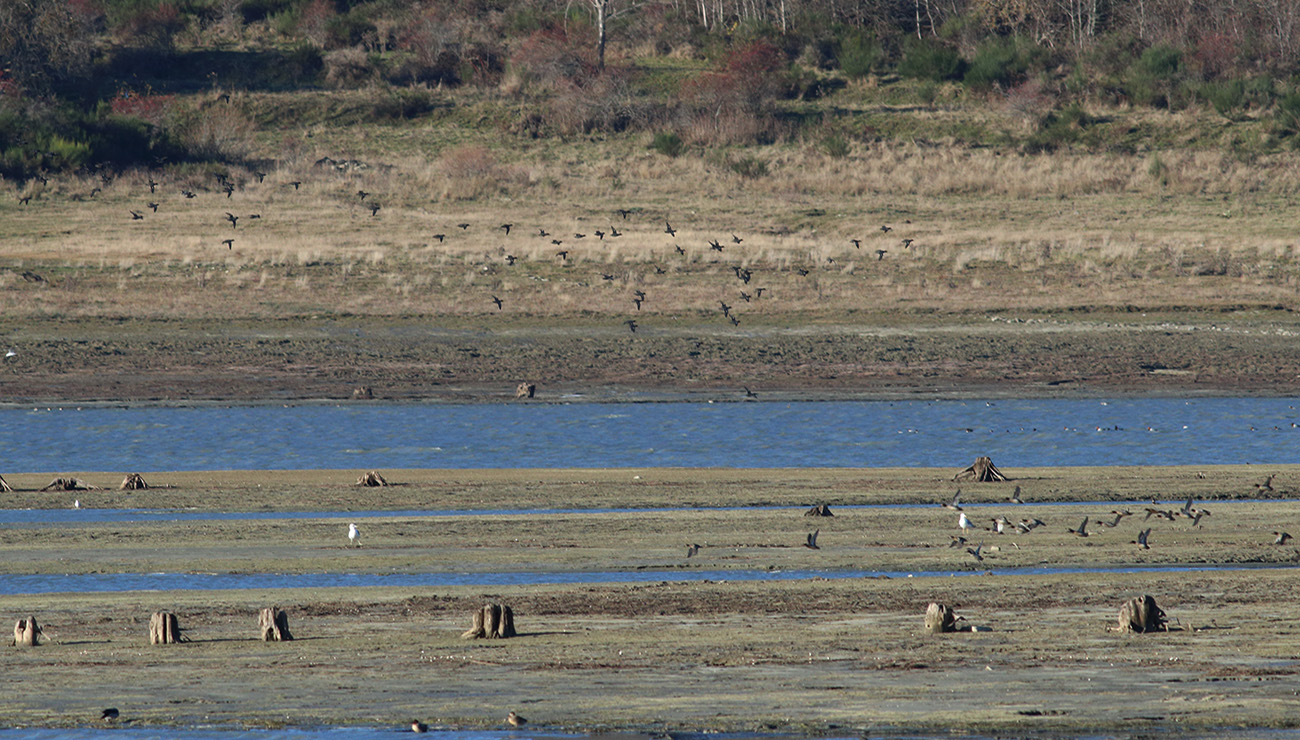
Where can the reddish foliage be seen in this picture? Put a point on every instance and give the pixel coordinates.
(313, 22)
(148, 107)
(1215, 53)
(550, 56)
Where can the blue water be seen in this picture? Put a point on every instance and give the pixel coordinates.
(117, 582)
(1015, 433)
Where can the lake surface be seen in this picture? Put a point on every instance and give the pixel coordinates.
(1015, 433)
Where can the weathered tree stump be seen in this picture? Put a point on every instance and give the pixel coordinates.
(1140, 614)
(492, 621)
(164, 629)
(27, 633)
(939, 619)
(363, 392)
(819, 510)
(274, 625)
(133, 482)
(525, 390)
(982, 470)
(4, 486)
(69, 484)
(372, 479)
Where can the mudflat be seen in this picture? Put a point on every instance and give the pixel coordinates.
(820, 654)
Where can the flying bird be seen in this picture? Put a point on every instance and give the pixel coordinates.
(692, 550)
(230, 243)
(497, 301)
(975, 552)
(362, 194)
(1082, 531)
(462, 227)
(857, 243)
(1015, 496)
(955, 504)
(886, 229)
(1281, 538)
(811, 542)
(880, 254)
(137, 216)
(153, 207)
(1141, 541)
(631, 324)
(735, 239)
(233, 219)
(374, 209)
(507, 228)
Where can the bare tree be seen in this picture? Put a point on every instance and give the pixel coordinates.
(605, 11)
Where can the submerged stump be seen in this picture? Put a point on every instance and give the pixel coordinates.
(27, 633)
(525, 390)
(274, 625)
(372, 479)
(4, 486)
(69, 484)
(982, 470)
(819, 510)
(1141, 614)
(492, 621)
(164, 629)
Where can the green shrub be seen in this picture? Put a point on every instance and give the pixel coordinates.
(668, 143)
(1154, 77)
(749, 168)
(1059, 128)
(1226, 97)
(1003, 62)
(1286, 114)
(835, 146)
(929, 60)
(858, 54)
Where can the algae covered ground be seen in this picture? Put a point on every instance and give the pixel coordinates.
(823, 654)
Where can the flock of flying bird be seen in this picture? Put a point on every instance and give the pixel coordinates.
(1002, 525)
(744, 293)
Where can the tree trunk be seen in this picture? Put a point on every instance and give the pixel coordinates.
(939, 619)
(27, 633)
(1140, 614)
(600, 32)
(982, 470)
(274, 625)
(133, 482)
(492, 621)
(4, 487)
(164, 629)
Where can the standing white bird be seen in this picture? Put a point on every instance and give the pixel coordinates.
(964, 522)
(354, 537)
(76, 504)
(10, 353)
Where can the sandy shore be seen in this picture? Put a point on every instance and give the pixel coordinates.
(833, 655)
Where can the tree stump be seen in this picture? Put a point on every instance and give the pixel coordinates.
(69, 484)
(982, 470)
(1140, 614)
(274, 625)
(492, 621)
(372, 479)
(525, 390)
(819, 510)
(27, 633)
(363, 392)
(133, 482)
(164, 629)
(4, 486)
(939, 619)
